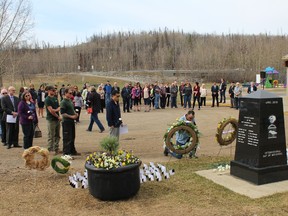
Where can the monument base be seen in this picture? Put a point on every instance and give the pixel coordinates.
(259, 176)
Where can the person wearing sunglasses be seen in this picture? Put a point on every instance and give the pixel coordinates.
(27, 118)
(53, 119)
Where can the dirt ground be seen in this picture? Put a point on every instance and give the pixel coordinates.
(31, 192)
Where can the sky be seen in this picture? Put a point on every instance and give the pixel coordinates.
(69, 22)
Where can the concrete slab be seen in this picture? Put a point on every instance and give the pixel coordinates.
(243, 187)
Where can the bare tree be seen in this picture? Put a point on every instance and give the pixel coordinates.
(15, 22)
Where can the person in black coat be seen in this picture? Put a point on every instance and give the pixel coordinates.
(95, 103)
(126, 95)
(231, 94)
(222, 90)
(113, 115)
(115, 87)
(3, 121)
(252, 88)
(9, 105)
(33, 93)
(215, 94)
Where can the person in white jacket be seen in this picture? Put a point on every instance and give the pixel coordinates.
(237, 95)
(203, 94)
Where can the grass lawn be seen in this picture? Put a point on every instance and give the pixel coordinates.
(185, 193)
(203, 197)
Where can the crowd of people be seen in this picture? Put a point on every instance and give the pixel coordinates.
(63, 107)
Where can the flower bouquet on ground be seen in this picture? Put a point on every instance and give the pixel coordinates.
(113, 174)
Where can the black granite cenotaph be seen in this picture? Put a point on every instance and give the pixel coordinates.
(260, 155)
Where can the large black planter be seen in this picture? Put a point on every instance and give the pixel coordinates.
(114, 184)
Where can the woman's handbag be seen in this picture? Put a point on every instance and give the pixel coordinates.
(37, 132)
(89, 110)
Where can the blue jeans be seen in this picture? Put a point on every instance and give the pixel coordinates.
(222, 96)
(94, 118)
(156, 101)
(173, 102)
(236, 102)
(187, 98)
(107, 98)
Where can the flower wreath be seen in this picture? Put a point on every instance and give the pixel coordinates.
(180, 126)
(29, 157)
(64, 162)
(230, 134)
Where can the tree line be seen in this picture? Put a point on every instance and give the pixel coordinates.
(234, 56)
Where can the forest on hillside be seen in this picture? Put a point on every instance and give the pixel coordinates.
(240, 56)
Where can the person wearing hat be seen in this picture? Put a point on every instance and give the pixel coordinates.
(53, 119)
(68, 126)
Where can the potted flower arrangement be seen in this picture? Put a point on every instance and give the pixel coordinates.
(113, 174)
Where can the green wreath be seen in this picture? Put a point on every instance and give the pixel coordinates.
(65, 164)
(226, 131)
(179, 127)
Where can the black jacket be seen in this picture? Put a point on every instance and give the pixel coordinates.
(126, 93)
(231, 91)
(94, 102)
(249, 89)
(215, 90)
(187, 90)
(113, 114)
(223, 87)
(8, 107)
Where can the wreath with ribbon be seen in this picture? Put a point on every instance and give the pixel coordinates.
(227, 131)
(29, 157)
(65, 165)
(180, 127)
